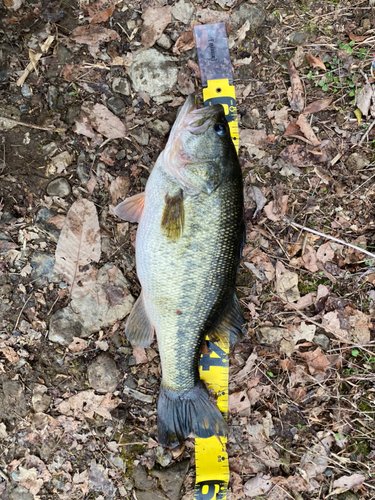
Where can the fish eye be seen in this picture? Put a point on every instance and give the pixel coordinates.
(220, 129)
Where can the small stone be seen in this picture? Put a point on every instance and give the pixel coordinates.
(24, 108)
(130, 382)
(59, 187)
(49, 149)
(26, 91)
(52, 96)
(83, 169)
(20, 493)
(250, 120)
(103, 374)
(43, 264)
(99, 482)
(121, 85)
(357, 161)
(163, 456)
(141, 136)
(164, 42)
(322, 341)
(255, 15)
(141, 480)
(298, 37)
(41, 220)
(182, 11)
(72, 113)
(63, 54)
(64, 325)
(121, 154)
(171, 479)
(116, 105)
(153, 73)
(161, 127)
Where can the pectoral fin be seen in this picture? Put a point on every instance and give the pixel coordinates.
(131, 209)
(173, 218)
(231, 323)
(138, 329)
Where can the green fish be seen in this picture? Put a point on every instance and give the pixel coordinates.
(188, 248)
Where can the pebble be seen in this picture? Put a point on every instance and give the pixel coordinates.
(153, 73)
(83, 169)
(116, 105)
(322, 341)
(183, 11)
(164, 42)
(52, 96)
(59, 187)
(49, 149)
(141, 480)
(63, 54)
(163, 456)
(72, 113)
(141, 136)
(99, 482)
(103, 373)
(26, 91)
(251, 119)
(41, 220)
(20, 493)
(298, 37)
(7, 216)
(24, 108)
(255, 15)
(43, 264)
(161, 127)
(121, 86)
(357, 161)
(171, 479)
(64, 325)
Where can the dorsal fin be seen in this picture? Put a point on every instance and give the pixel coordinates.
(131, 209)
(173, 218)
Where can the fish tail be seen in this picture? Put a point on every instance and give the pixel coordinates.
(181, 414)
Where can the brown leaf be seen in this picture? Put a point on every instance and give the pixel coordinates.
(315, 62)
(58, 220)
(286, 283)
(92, 35)
(10, 354)
(307, 131)
(155, 21)
(238, 402)
(358, 38)
(295, 92)
(78, 344)
(346, 483)
(185, 82)
(78, 246)
(104, 121)
(325, 253)
(119, 189)
(297, 155)
(276, 211)
(364, 99)
(140, 355)
(316, 106)
(309, 258)
(100, 11)
(317, 361)
(186, 41)
(6, 245)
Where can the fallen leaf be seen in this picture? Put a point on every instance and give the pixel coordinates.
(256, 195)
(185, 42)
(307, 131)
(6, 245)
(119, 188)
(298, 56)
(262, 263)
(140, 355)
(286, 283)
(155, 21)
(276, 211)
(93, 35)
(78, 344)
(315, 460)
(364, 99)
(100, 11)
(87, 403)
(316, 106)
(295, 92)
(280, 116)
(305, 301)
(309, 259)
(185, 82)
(104, 121)
(359, 325)
(238, 402)
(58, 220)
(10, 354)
(358, 38)
(245, 371)
(78, 246)
(298, 155)
(325, 253)
(258, 485)
(315, 62)
(317, 361)
(13, 4)
(346, 483)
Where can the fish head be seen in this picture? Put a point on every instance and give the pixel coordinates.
(199, 147)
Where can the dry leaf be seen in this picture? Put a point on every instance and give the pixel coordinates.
(298, 155)
(258, 485)
(78, 344)
(58, 220)
(93, 35)
(119, 188)
(10, 354)
(276, 211)
(298, 56)
(245, 372)
(346, 483)
(255, 194)
(286, 283)
(238, 402)
(316, 106)
(185, 82)
(88, 403)
(364, 99)
(185, 42)
(325, 253)
(100, 11)
(104, 121)
(295, 92)
(78, 246)
(317, 361)
(307, 131)
(155, 21)
(358, 38)
(309, 259)
(140, 355)
(13, 4)
(315, 62)
(262, 263)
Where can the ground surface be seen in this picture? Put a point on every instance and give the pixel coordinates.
(77, 403)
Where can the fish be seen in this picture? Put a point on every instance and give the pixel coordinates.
(188, 247)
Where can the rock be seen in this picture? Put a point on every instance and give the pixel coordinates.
(298, 37)
(149, 495)
(322, 341)
(153, 73)
(171, 479)
(161, 127)
(164, 42)
(141, 480)
(41, 220)
(9, 112)
(255, 15)
(251, 119)
(103, 374)
(50, 149)
(141, 136)
(43, 272)
(163, 456)
(26, 91)
(52, 96)
(183, 11)
(64, 325)
(116, 105)
(63, 54)
(7, 216)
(121, 85)
(348, 495)
(20, 493)
(357, 161)
(83, 168)
(12, 400)
(99, 482)
(108, 302)
(59, 187)
(72, 113)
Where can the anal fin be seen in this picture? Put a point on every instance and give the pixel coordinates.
(231, 322)
(138, 330)
(131, 209)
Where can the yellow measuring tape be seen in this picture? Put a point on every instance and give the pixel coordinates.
(211, 458)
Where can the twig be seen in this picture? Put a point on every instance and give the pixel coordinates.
(32, 64)
(363, 183)
(366, 133)
(23, 307)
(328, 237)
(31, 125)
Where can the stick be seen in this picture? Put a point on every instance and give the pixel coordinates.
(31, 125)
(32, 64)
(327, 236)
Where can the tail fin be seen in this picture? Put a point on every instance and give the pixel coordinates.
(183, 413)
